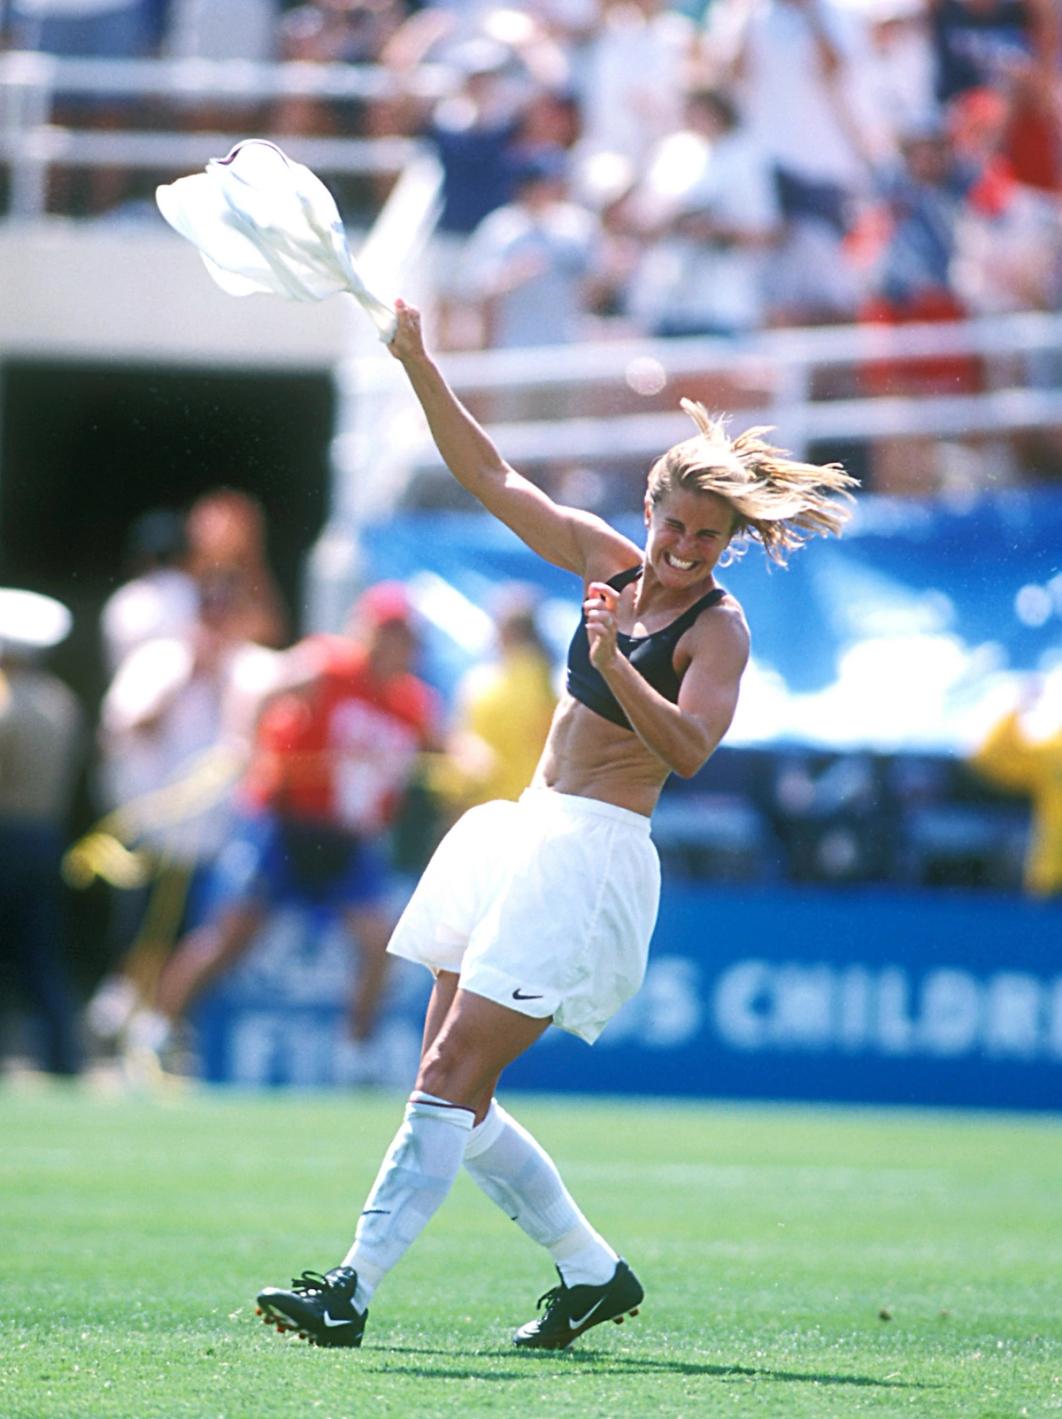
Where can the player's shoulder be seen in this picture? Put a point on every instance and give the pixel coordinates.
(723, 624)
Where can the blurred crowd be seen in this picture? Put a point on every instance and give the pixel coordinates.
(236, 775)
(671, 169)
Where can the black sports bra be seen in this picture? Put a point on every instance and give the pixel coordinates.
(652, 656)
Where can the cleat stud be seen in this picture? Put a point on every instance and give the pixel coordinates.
(617, 1320)
(303, 1335)
(258, 1310)
(634, 1312)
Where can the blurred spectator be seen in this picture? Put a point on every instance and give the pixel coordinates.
(1009, 254)
(1011, 259)
(632, 73)
(984, 43)
(40, 741)
(227, 540)
(1023, 753)
(898, 72)
(331, 763)
(334, 32)
(1010, 46)
(473, 131)
(529, 263)
(160, 598)
(175, 729)
(708, 210)
(797, 66)
(926, 200)
(504, 707)
(551, 118)
(89, 29)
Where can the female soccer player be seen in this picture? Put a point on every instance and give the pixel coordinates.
(541, 911)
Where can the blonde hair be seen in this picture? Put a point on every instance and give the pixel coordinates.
(776, 500)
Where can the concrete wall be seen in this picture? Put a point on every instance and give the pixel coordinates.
(130, 291)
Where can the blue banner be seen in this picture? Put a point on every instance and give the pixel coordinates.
(860, 997)
(773, 993)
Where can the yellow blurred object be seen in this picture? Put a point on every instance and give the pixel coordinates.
(508, 707)
(101, 855)
(1010, 758)
(106, 850)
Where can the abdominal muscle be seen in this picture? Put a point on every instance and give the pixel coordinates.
(590, 757)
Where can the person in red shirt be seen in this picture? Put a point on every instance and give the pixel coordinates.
(334, 753)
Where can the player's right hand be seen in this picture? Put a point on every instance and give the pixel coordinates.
(599, 613)
(407, 343)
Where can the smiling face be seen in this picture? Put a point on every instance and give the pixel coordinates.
(688, 533)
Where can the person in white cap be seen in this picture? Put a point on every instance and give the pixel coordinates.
(41, 736)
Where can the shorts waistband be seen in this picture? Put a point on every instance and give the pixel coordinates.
(571, 805)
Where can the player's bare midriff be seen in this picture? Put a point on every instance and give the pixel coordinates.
(591, 757)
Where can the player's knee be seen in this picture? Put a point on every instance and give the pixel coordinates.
(456, 1074)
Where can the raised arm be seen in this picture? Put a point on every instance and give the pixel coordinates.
(565, 536)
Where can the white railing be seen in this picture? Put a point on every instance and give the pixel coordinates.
(778, 370)
(31, 142)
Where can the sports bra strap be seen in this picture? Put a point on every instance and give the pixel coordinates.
(686, 620)
(681, 623)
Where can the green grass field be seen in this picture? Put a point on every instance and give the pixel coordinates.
(798, 1262)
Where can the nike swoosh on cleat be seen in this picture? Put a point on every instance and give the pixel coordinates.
(331, 1323)
(575, 1324)
(519, 995)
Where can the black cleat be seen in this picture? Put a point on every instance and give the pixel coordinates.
(319, 1308)
(572, 1309)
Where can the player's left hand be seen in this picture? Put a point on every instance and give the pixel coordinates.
(599, 612)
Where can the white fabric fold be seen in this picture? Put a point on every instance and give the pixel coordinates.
(263, 223)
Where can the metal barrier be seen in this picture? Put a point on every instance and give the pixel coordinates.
(780, 372)
(31, 142)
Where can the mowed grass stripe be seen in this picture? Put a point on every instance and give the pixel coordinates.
(799, 1262)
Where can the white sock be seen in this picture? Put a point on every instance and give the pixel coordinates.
(148, 1030)
(520, 1176)
(414, 1178)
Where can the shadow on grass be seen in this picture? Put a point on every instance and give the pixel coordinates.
(603, 1363)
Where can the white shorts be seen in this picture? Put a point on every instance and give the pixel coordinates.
(545, 906)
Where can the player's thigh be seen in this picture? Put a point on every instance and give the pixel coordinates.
(476, 1041)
